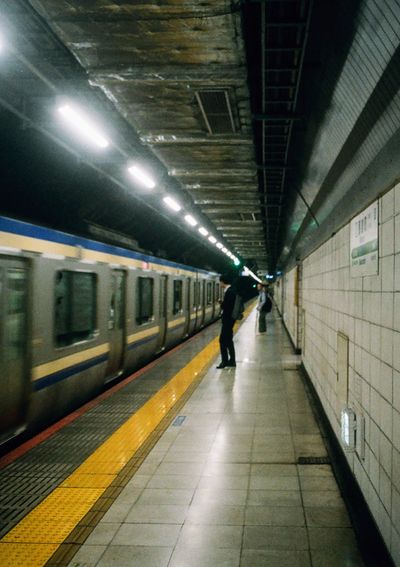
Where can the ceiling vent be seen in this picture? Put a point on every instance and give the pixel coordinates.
(216, 110)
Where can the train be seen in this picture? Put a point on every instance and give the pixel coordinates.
(77, 314)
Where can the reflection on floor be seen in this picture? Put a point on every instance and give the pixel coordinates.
(222, 487)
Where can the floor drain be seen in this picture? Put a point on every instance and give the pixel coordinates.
(313, 461)
(179, 420)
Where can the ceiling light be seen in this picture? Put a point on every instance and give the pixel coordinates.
(190, 220)
(248, 272)
(225, 250)
(172, 204)
(141, 176)
(212, 239)
(203, 231)
(83, 125)
(219, 245)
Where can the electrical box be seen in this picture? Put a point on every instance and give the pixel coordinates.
(349, 426)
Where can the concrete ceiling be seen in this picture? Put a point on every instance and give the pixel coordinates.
(228, 103)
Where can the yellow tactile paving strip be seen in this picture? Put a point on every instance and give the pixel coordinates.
(34, 540)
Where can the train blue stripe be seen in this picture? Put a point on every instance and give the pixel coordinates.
(63, 374)
(142, 341)
(51, 235)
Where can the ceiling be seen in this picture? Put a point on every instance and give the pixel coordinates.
(229, 105)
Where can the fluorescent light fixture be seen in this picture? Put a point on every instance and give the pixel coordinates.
(83, 125)
(203, 231)
(190, 220)
(247, 272)
(172, 204)
(225, 250)
(141, 176)
(212, 239)
(219, 245)
(236, 261)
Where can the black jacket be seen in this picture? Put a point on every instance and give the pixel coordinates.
(227, 305)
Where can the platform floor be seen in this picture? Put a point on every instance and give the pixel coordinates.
(222, 485)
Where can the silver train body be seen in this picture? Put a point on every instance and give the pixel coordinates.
(77, 314)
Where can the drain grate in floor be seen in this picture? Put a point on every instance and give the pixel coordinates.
(313, 461)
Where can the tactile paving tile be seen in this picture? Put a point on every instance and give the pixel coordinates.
(28, 555)
(47, 532)
(88, 480)
(27, 481)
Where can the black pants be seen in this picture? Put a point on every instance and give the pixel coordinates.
(226, 342)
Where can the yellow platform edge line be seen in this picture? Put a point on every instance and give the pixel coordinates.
(33, 541)
(44, 526)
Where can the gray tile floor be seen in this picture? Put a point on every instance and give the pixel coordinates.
(223, 489)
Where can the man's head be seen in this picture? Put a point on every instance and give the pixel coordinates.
(225, 280)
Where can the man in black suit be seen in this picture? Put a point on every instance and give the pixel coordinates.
(226, 337)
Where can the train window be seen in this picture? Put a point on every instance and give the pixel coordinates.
(75, 307)
(209, 293)
(117, 301)
(144, 300)
(15, 316)
(177, 307)
(196, 295)
(217, 291)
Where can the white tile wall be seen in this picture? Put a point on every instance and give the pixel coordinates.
(367, 310)
(290, 313)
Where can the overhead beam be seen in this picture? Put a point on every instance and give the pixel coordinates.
(224, 210)
(241, 173)
(221, 191)
(174, 73)
(247, 202)
(233, 222)
(172, 139)
(131, 15)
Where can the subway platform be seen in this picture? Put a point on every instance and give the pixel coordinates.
(183, 465)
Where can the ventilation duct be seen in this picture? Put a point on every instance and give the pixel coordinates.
(216, 110)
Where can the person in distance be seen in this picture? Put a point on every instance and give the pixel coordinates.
(226, 345)
(261, 307)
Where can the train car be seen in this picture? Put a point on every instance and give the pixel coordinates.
(77, 314)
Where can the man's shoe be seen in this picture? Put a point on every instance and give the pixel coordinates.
(221, 365)
(231, 364)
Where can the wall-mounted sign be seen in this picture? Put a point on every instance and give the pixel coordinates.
(364, 243)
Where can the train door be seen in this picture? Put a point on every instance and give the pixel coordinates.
(14, 370)
(163, 303)
(203, 301)
(116, 324)
(196, 302)
(188, 305)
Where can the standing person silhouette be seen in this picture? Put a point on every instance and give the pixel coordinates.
(227, 348)
(262, 307)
